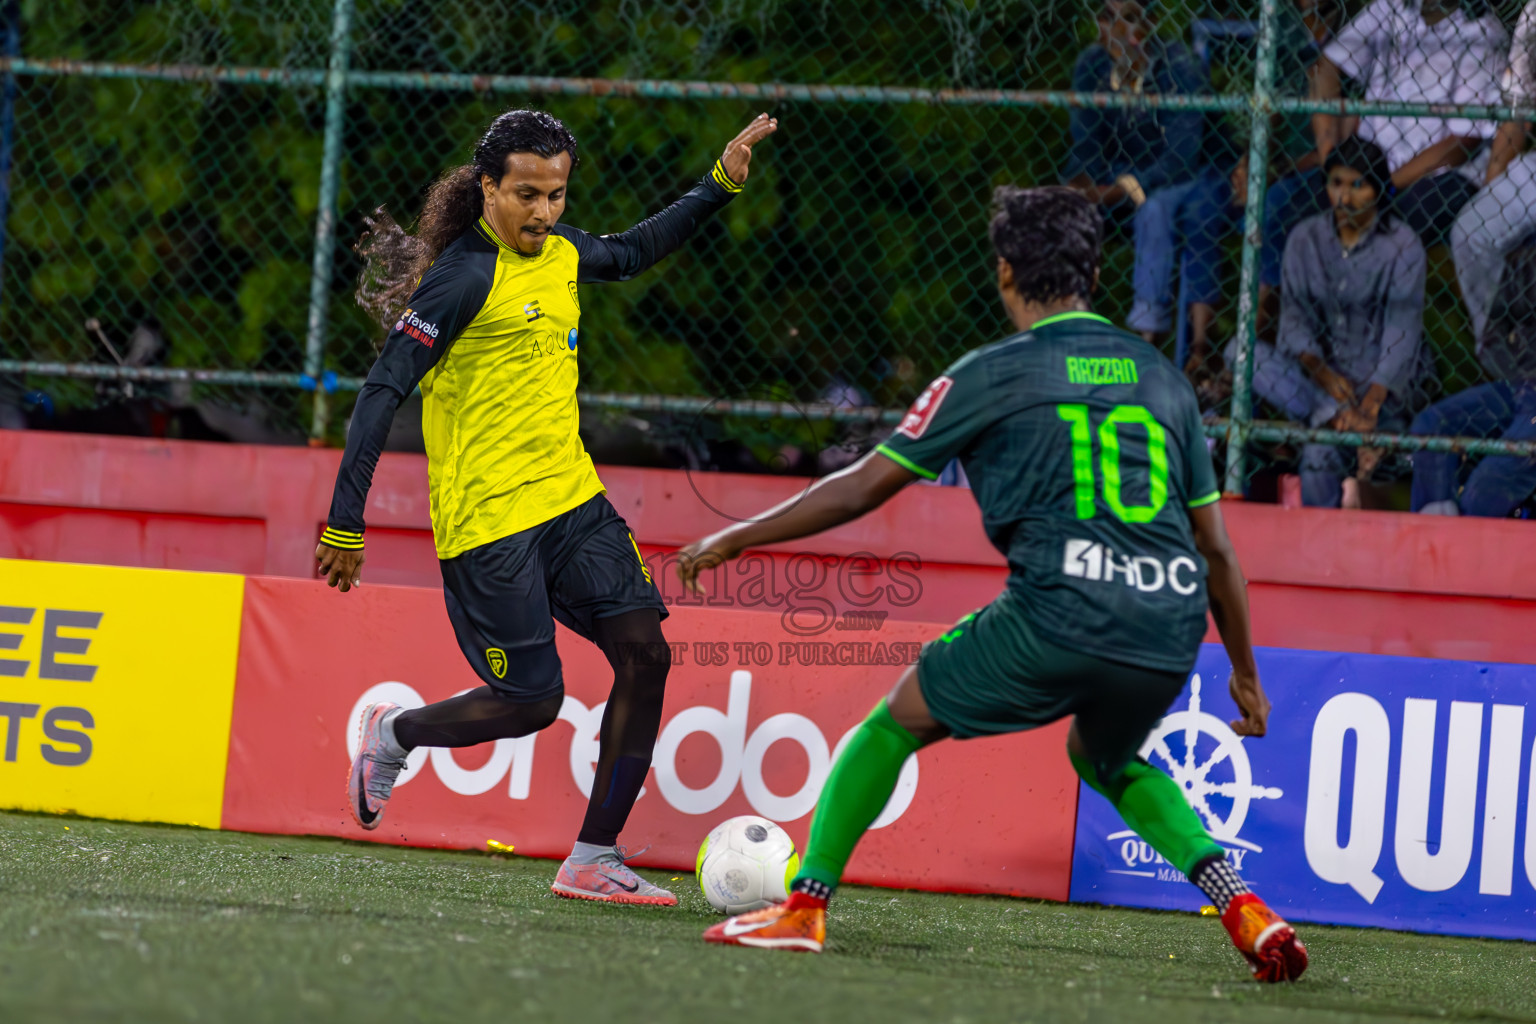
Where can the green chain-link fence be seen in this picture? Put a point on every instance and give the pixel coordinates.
(186, 178)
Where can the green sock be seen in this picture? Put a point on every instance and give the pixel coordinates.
(1150, 802)
(857, 790)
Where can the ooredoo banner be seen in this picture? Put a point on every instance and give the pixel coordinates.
(1390, 792)
(115, 690)
(754, 716)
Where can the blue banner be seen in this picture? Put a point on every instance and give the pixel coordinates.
(1389, 792)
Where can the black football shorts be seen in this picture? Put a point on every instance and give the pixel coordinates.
(504, 597)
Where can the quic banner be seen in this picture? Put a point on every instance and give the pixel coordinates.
(1389, 792)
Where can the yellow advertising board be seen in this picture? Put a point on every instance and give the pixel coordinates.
(116, 688)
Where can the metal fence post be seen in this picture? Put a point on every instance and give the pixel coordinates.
(325, 219)
(1253, 230)
(12, 44)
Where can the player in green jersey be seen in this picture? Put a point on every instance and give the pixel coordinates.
(1084, 450)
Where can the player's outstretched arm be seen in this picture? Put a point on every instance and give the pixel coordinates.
(620, 257)
(1229, 607)
(830, 501)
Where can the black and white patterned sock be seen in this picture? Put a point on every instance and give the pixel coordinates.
(812, 888)
(1219, 881)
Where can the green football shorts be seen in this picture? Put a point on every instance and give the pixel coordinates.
(993, 674)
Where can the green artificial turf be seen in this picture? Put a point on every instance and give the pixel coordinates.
(104, 921)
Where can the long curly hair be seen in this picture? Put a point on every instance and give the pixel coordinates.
(394, 260)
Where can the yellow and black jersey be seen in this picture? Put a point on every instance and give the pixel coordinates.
(492, 337)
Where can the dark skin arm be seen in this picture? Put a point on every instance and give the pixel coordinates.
(340, 568)
(1508, 142)
(870, 482)
(1352, 415)
(1364, 417)
(831, 501)
(1104, 195)
(1336, 384)
(1228, 595)
(1452, 151)
(1329, 129)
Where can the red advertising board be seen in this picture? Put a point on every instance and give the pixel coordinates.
(754, 715)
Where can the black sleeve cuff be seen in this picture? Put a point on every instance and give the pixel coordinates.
(344, 540)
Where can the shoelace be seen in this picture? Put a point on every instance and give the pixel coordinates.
(619, 859)
(383, 779)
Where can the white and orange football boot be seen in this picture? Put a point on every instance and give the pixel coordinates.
(789, 925)
(1261, 935)
(608, 880)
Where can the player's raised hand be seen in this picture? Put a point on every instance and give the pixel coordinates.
(713, 550)
(737, 157)
(342, 569)
(1248, 692)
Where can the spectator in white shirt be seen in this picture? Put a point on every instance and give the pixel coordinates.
(1419, 51)
(1504, 211)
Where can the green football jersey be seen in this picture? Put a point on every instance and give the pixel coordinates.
(1084, 450)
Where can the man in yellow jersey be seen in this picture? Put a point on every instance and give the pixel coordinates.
(482, 306)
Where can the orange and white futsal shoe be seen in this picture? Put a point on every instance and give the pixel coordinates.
(608, 880)
(803, 929)
(1261, 935)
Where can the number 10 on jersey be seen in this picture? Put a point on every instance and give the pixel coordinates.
(1076, 416)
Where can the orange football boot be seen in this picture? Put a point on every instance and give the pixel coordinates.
(1261, 935)
(804, 929)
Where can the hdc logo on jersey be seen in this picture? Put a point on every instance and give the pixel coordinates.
(1090, 560)
(414, 326)
(532, 311)
(923, 410)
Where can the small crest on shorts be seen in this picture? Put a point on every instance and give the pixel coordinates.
(498, 661)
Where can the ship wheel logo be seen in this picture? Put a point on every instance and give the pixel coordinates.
(1207, 760)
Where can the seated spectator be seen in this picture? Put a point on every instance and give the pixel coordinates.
(1294, 166)
(1144, 164)
(1189, 221)
(1505, 407)
(1349, 355)
(1437, 51)
(1502, 213)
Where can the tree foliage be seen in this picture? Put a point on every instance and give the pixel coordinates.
(858, 250)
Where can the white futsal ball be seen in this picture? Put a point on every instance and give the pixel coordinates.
(745, 864)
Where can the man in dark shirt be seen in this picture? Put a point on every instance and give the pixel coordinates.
(1504, 407)
(1121, 155)
(1084, 450)
(1163, 170)
(1350, 352)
